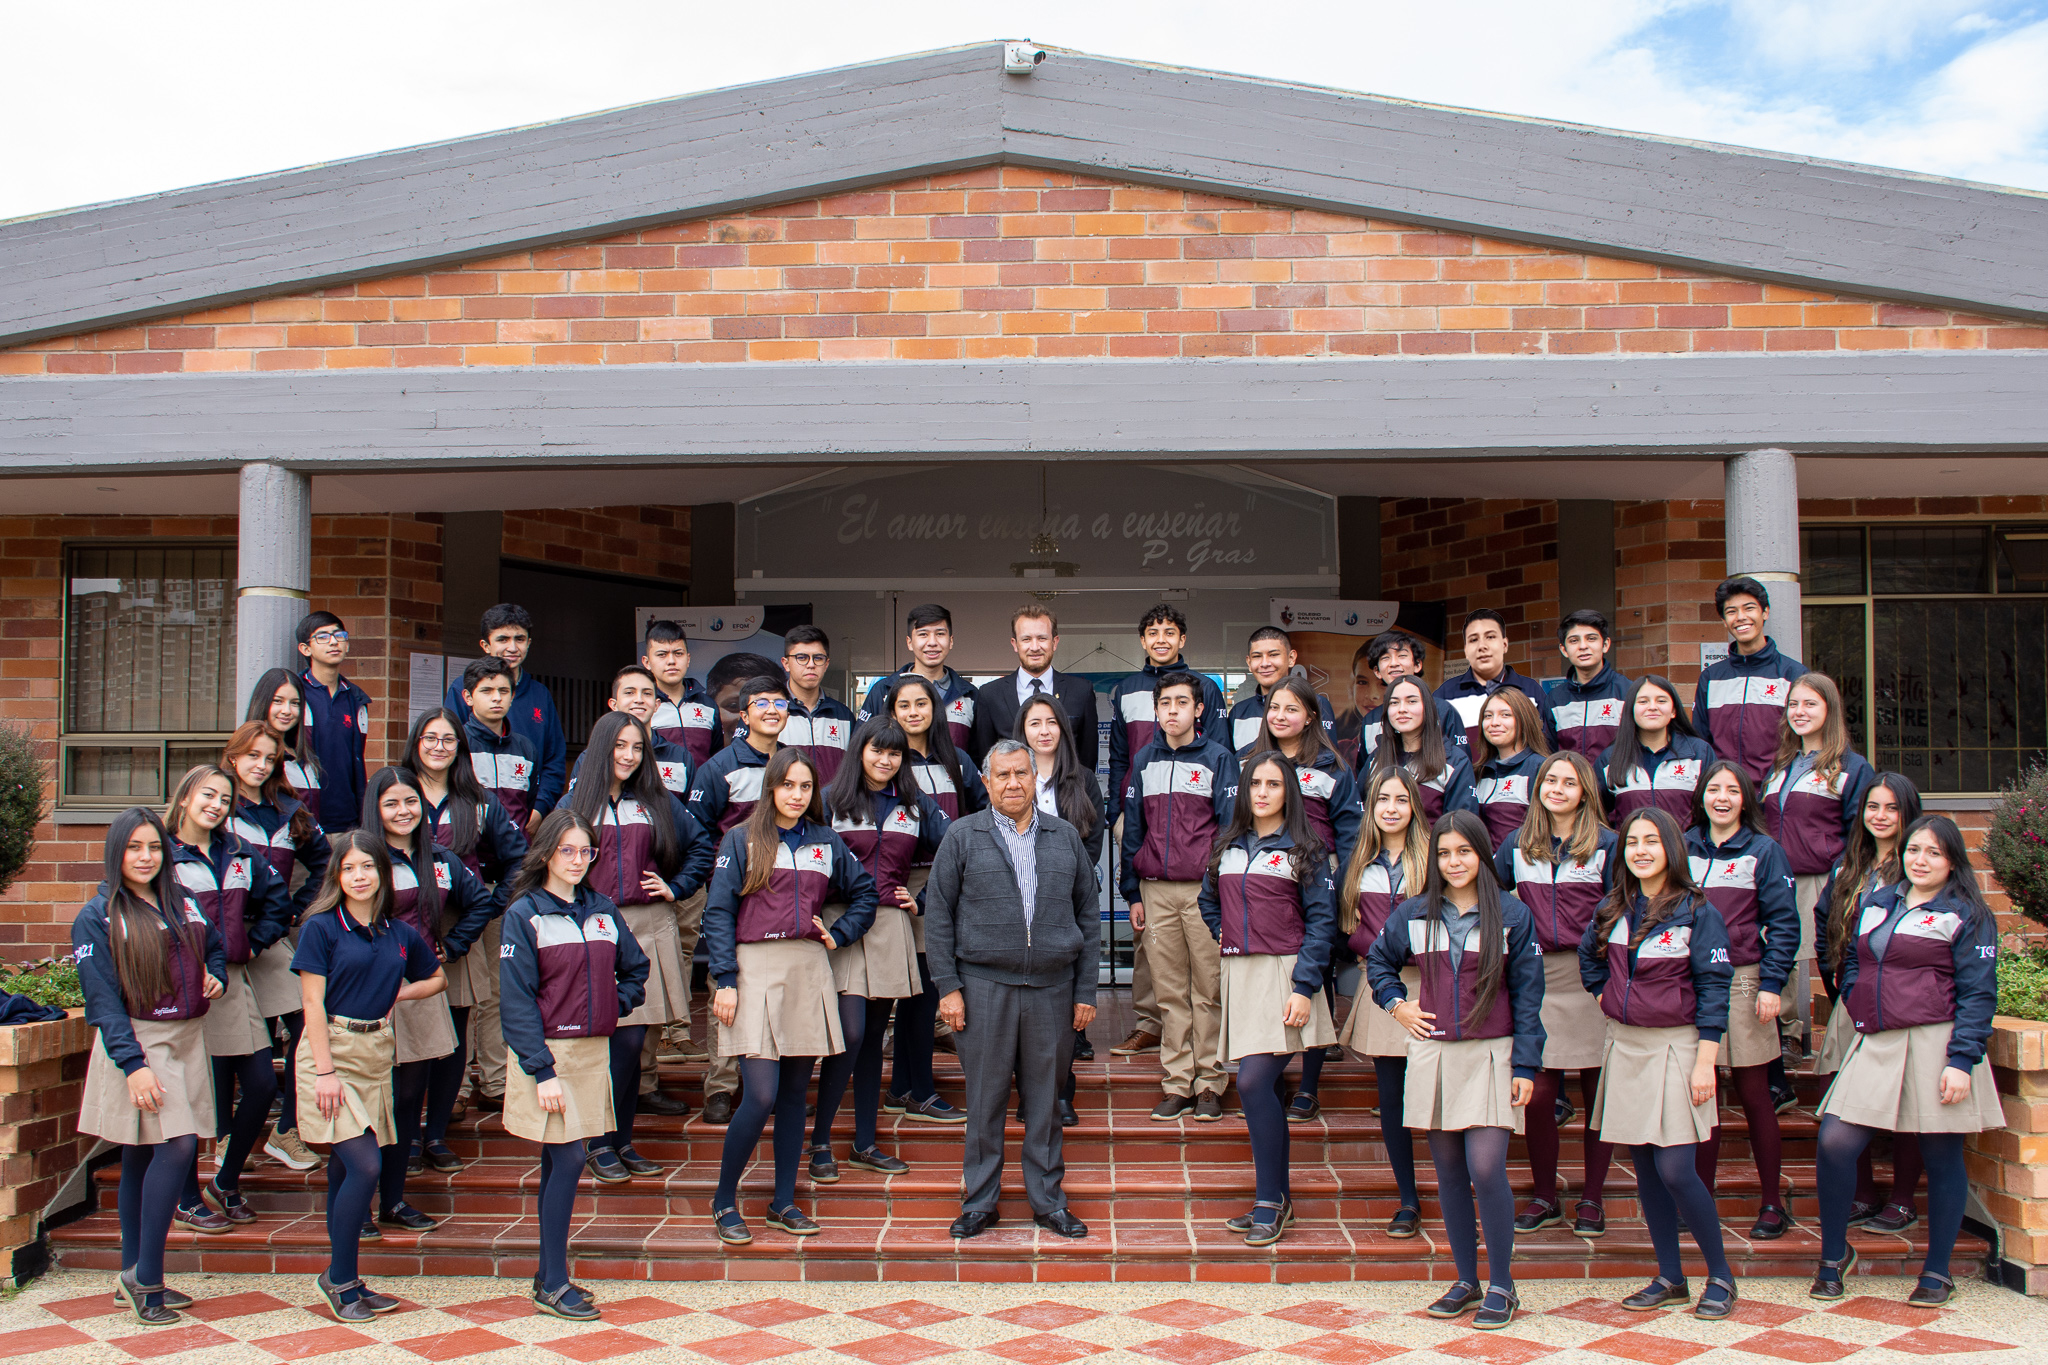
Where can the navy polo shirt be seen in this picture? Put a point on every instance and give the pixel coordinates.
(363, 970)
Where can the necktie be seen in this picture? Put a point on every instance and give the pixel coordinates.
(1037, 686)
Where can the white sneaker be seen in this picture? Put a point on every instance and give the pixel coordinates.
(287, 1148)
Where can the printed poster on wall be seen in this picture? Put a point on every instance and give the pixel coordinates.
(1329, 639)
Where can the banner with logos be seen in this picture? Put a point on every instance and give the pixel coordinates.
(1329, 639)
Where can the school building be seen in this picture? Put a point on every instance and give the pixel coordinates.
(928, 329)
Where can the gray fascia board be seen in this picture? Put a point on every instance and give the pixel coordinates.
(1468, 408)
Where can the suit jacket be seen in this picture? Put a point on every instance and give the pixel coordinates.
(995, 713)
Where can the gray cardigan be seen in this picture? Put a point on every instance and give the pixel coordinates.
(974, 919)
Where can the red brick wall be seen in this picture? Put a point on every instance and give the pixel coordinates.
(1469, 553)
(650, 542)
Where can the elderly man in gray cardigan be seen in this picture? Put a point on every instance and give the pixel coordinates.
(1015, 984)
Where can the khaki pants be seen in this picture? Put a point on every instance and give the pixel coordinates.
(689, 928)
(1187, 976)
(1144, 1000)
(486, 1033)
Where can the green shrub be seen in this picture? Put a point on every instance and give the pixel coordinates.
(49, 981)
(2016, 844)
(22, 806)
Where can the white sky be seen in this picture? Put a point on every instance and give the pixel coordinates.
(119, 98)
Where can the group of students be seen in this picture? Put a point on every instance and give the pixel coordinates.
(1511, 882)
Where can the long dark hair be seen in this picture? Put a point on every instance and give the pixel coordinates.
(1314, 743)
(938, 740)
(1069, 778)
(592, 796)
(1860, 860)
(466, 795)
(139, 937)
(421, 852)
(1430, 757)
(1678, 883)
(260, 697)
(243, 741)
(533, 868)
(1752, 817)
(1962, 878)
(763, 838)
(847, 796)
(1308, 853)
(370, 840)
(1528, 725)
(1628, 750)
(1492, 972)
(181, 796)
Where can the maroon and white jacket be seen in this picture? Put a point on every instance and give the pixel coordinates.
(1379, 891)
(889, 842)
(1812, 819)
(1176, 801)
(565, 970)
(1450, 979)
(813, 868)
(1562, 893)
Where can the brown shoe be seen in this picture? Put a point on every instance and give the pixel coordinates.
(1141, 1040)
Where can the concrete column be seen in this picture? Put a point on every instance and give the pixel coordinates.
(274, 570)
(1762, 514)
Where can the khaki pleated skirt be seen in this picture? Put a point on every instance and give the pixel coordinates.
(234, 1023)
(272, 979)
(583, 1066)
(787, 1007)
(1575, 1031)
(1645, 1093)
(1835, 1046)
(176, 1052)
(473, 977)
(1454, 1086)
(1806, 892)
(882, 963)
(1892, 1081)
(1369, 1030)
(913, 882)
(1255, 991)
(668, 976)
(362, 1063)
(424, 1028)
(1749, 1040)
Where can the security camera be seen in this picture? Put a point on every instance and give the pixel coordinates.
(1021, 59)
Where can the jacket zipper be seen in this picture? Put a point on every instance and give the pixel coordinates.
(1878, 982)
(1244, 903)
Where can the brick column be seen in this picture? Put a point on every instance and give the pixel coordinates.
(1763, 536)
(2009, 1166)
(273, 570)
(42, 1079)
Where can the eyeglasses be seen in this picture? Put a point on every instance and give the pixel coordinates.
(770, 703)
(575, 854)
(330, 637)
(810, 658)
(437, 742)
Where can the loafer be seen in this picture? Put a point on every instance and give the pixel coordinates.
(1540, 1214)
(794, 1221)
(1891, 1218)
(1208, 1107)
(1590, 1220)
(662, 1103)
(636, 1163)
(441, 1157)
(933, 1110)
(824, 1170)
(717, 1110)
(565, 1302)
(407, 1217)
(1405, 1223)
(972, 1223)
(201, 1219)
(871, 1160)
(1933, 1291)
(355, 1310)
(1172, 1108)
(1303, 1107)
(1140, 1041)
(730, 1227)
(229, 1204)
(1243, 1223)
(1062, 1222)
(604, 1166)
(1658, 1293)
(1714, 1306)
(1831, 1278)
(1068, 1118)
(1334, 1053)
(488, 1104)
(136, 1297)
(1771, 1224)
(1459, 1299)
(1497, 1309)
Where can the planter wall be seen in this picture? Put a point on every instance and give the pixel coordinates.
(42, 1079)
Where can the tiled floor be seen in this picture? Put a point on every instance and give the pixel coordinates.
(67, 1318)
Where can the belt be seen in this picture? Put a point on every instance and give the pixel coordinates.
(357, 1025)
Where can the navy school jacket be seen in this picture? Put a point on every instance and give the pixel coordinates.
(1748, 881)
(1466, 695)
(565, 971)
(1329, 798)
(1380, 889)
(1503, 790)
(671, 764)
(507, 766)
(895, 835)
(690, 721)
(336, 726)
(466, 905)
(1677, 975)
(970, 796)
(106, 1009)
(1451, 789)
(1740, 702)
(822, 732)
(1666, 779)
(1939, 966)
(727, 786)
(1176, 801)
(303, 777)
(955, 692)
(1812, 819)
(267, 825)
(1447, 720)
(1451, 993)
(1250, 713)
(1584, 716)
(532, 718)
(1133, 723)
(1823, 941)
(812, 869)
(625, 852)
(1562, 894)
(500, 844)
(1256, 905)
(236, 890)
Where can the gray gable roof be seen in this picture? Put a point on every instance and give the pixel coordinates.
(1817, 224)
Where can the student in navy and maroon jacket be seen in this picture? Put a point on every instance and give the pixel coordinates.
(506, 762)
(1741, 697)
(1179, 795)
(820, 725)
(1162, 634)
(1511, 748)
(1656, 759)
(1560, 864)
(727, 785)
(1270, 902)
(635, 692)
(506, 632)
(1393, 655)
(1487, 670)
(1412, 740)
(1657, 956)
(1742, 871)
(1585, 705)
(568, 971)
(778, 1013)
(1269, 656)
(928, 639)
(247, 902)
(336, 721)
(278, 703)
(148, 965)
(1475, 1046)
(685, 713)
(1921, 984)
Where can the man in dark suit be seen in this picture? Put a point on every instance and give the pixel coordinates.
(1034, 639)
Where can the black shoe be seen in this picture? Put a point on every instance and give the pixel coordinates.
(933, 1110)
(731, 1228)
(871, 1160)
(1861, 1213)
(1084, 1051)
(1405, 1223)
(717, 1110)
(1590, 1220)
(1068, 1118)
(1564, 1111)
(894, 1104)
(229, 1204)
(824, 1170)
(792, 1220)
(634, 1162)
(415, 1161)
(1783, 1097)
(605, 1167)
(403, 1215)
(667, 1105)
(441, 1157)
(1172, 1108)
(375, 1302)
(1831, 1278)
(1497, 1310)
(1459, 1299)
(1334, 1053)
(1890, 1218)
(370, 1232)
(572, 1284)
(354, 1310)
(136, 1297)
(1658, 1293)
(1061, 1222)
(1208, 1107)
(1714, 1306)
(488, 1104)
(1244, 1222)
(1540, 1214)
(1933, 1290)
(1303, 1107)
(972, 1223)
(566, 1302)
(201, 1219)
(177, 1300)
(1771, 1224)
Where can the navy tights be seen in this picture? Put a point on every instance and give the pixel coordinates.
(917, 1022)
(444, 1078)
(352, 1171)
(293, 1027)
(626, 1044)
(151, 1180)
(242, 1121)
(767, 1086)
(1392, 1075)
(1472, 1168)
(1668, 1186)
(561, 1166)
(408, 1093)
(1948, 1189)
(1259, 1078)
(862, 1022)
